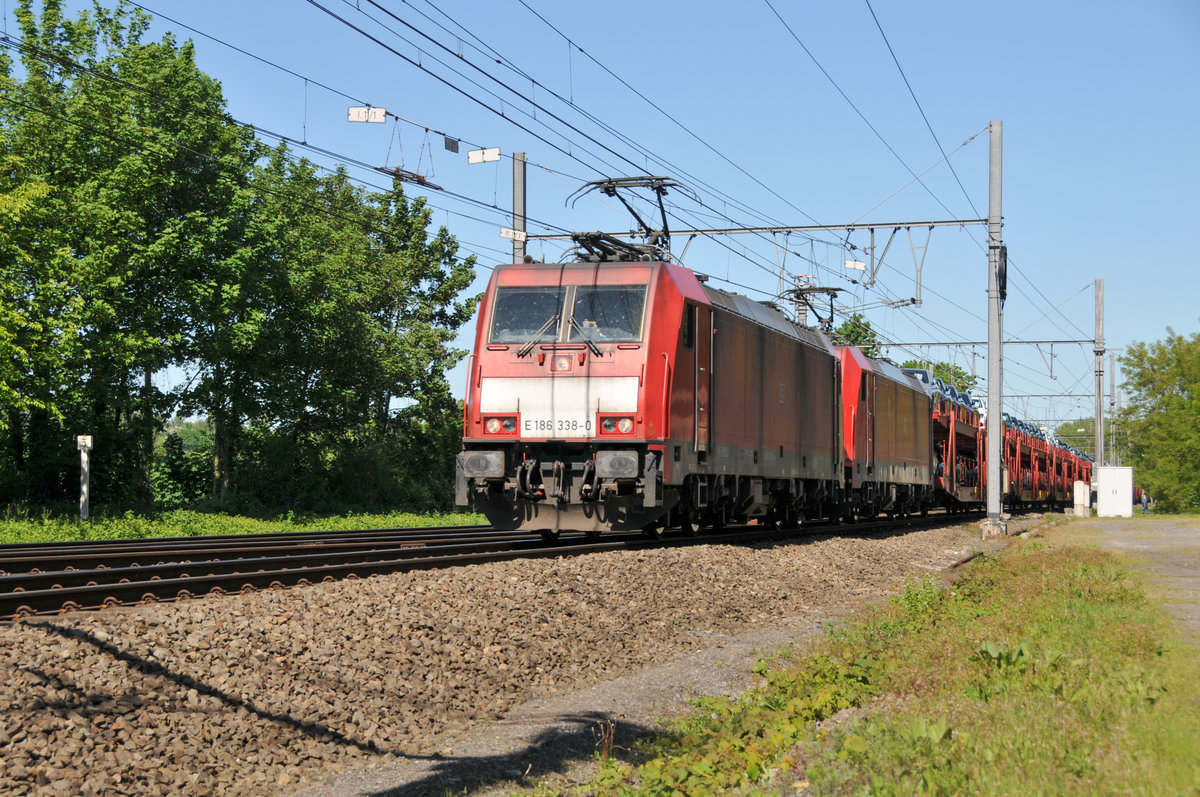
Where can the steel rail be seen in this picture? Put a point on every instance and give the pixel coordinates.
(128, 553)
(15, 550)
(69, 590)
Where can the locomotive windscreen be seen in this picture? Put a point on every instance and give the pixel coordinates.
(524, 314)
(607, 312)
(527, 313)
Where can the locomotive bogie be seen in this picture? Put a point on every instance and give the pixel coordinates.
(584, 490)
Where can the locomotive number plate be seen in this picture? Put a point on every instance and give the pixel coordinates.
(566, 427)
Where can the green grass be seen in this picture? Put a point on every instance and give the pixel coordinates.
(184, 523)
(1044, 670)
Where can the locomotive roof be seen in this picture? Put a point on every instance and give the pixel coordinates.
(892, 371)
(768, 317)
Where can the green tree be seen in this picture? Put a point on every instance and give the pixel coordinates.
(337, 308)
(182, 471)
(141, 229)
(856, 331)
(1079, 433)
(130, 142)
(948, 372)
(1162, 420)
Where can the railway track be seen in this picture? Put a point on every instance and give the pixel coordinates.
(54, 578)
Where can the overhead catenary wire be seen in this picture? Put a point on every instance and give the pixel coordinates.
(913, 94)
(447, 83)
(225, 117)
(492, 206)
(319, 150)
(497, 57)
(142, 148)
(41, 54)
(880, 136)
(514, 91)
(323, 85)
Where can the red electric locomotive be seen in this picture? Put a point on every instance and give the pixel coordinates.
(631, 396)
(887, 436)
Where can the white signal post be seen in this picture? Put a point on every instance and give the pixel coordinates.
(84, 443)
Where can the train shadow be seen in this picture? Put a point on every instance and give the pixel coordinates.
(146, 666)
(567, 739)
(574, 738)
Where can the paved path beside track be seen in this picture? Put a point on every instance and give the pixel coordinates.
(1165, 547)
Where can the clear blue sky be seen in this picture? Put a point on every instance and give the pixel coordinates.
(1099, 101)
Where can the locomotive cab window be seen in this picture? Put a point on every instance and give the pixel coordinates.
(607, 313)
(687, 329)
(521, 314)
(571, 313)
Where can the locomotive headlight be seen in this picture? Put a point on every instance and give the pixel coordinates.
(616, 425)
(500, 425)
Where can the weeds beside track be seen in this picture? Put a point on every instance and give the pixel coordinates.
(1042, 669)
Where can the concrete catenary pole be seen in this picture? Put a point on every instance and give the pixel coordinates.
(1099, 372)
(519, 160)
(993, 525)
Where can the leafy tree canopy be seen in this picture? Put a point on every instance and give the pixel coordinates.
(856, 331)
(1162, 421)
(142, 230)
(1079, 433)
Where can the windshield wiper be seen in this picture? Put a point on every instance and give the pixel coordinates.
(542, 330)
(583, 335)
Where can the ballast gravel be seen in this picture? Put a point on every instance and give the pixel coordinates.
(277, 692)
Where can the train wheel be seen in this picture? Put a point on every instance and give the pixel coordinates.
(653, 531)
(550, 535)
(689, 527)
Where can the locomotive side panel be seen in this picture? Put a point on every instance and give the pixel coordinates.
(771, 394)
(781, 422)
(735, 394)
(904, 453)
(885, 428)
(683, 380)
(819, 412)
